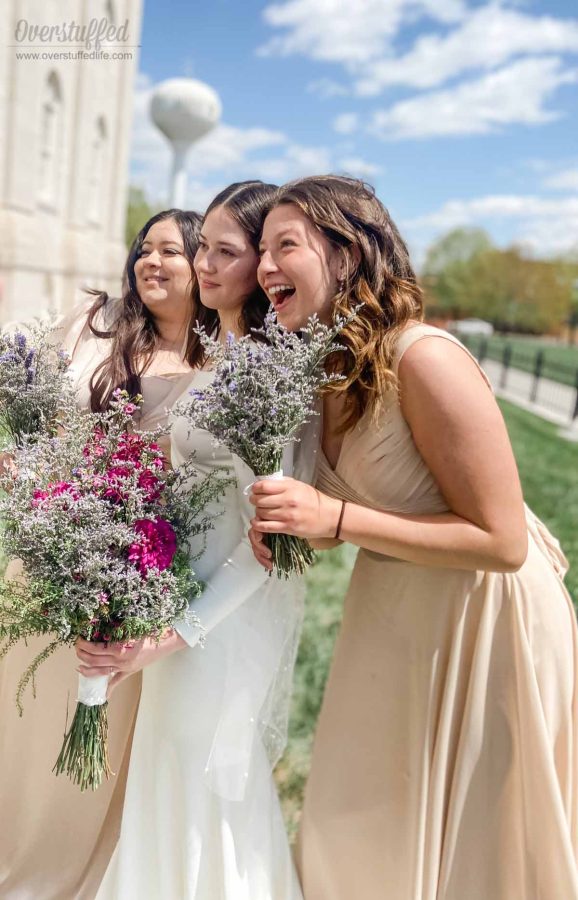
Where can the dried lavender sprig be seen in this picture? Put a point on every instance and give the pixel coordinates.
(34, 383)
(259, 399)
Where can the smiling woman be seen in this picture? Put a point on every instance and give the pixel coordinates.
(60, 841)
(156, 313)
(446, 753)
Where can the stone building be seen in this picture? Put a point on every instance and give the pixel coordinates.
(65, 128)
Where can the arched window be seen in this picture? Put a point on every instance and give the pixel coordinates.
(97, 173)
(51, 126)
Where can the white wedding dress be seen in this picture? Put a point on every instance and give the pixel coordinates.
(201, 818)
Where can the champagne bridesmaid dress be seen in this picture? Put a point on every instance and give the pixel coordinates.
(55, 842)
(445, 760)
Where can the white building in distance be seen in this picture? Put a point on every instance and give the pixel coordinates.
(65, 123)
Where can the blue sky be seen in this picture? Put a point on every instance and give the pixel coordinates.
(458, 112)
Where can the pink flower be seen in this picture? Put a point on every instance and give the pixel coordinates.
(130, 448)
(156, 546)
(115, 479)
(55, 490)
(151, 484)
(95, 446)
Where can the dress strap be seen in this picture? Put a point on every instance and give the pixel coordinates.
(414, 333)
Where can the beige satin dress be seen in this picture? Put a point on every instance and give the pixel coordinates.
(445, 760)
(56, 842)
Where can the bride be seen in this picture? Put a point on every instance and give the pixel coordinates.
(202, 819)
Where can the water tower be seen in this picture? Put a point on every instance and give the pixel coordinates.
(184, 110)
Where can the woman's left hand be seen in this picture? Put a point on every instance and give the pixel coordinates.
(123, 659)
(288, 506)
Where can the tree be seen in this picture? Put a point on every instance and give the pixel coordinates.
(447, 271)
(139, 211)
(466, 276)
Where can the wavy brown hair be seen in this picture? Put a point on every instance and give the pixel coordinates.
(379, 276)
(247, 202)
(133, 333)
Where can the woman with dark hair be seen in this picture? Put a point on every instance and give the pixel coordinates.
(445, 760)
(201, 818)
(59, 841)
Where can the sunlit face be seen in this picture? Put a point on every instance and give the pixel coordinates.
(299, 267)
(163, 273)
(225, 263)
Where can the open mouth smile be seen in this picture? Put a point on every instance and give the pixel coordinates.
(280, 294)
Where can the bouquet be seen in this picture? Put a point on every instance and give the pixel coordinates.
(102, 526)
(260, 397)
(33, 383)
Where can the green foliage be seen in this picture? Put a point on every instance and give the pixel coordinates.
(138, 212)
(548, 467)
(464, 275)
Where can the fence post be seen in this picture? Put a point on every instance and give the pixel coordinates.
(506, 358)
(538, 366)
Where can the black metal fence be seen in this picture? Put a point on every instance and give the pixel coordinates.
(551, 383)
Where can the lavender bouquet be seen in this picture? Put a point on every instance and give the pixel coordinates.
(33, 383)
(102, 527)
(260, 397)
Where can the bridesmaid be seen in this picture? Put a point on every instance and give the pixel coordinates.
(445, 760)
(59, 841)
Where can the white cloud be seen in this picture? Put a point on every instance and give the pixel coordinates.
(346, 123)
(546, 225)
(358, 167)
(345, 32)
(325, 88)
(488, 37)
(565, 180)
(516, 94)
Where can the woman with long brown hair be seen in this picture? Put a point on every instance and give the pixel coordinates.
(56, 842)
(445, 760)
(201, 817)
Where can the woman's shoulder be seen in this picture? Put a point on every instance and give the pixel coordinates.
(417, 331)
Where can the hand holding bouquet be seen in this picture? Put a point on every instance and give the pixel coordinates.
(102, 528)
(260, 397)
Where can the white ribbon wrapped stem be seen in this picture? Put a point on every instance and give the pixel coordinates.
(92, 691)
(274, 477)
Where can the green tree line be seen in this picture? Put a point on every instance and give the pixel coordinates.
(465, 275)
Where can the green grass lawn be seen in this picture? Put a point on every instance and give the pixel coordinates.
(549, 471)
(560, 360)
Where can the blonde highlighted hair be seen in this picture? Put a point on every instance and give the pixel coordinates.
(379, 275)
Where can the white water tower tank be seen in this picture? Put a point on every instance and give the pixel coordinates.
(184, 110)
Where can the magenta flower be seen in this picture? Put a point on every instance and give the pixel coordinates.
(55, 490)
(115, 479)
(156, 546)
(130, 448)
(151, 484)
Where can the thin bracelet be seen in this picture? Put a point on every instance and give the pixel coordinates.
(338, 530)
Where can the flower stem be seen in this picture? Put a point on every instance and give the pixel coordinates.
(84, 753)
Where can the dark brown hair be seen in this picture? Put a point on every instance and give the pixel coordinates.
(247, 202)
(379, 275)
(134, 333)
